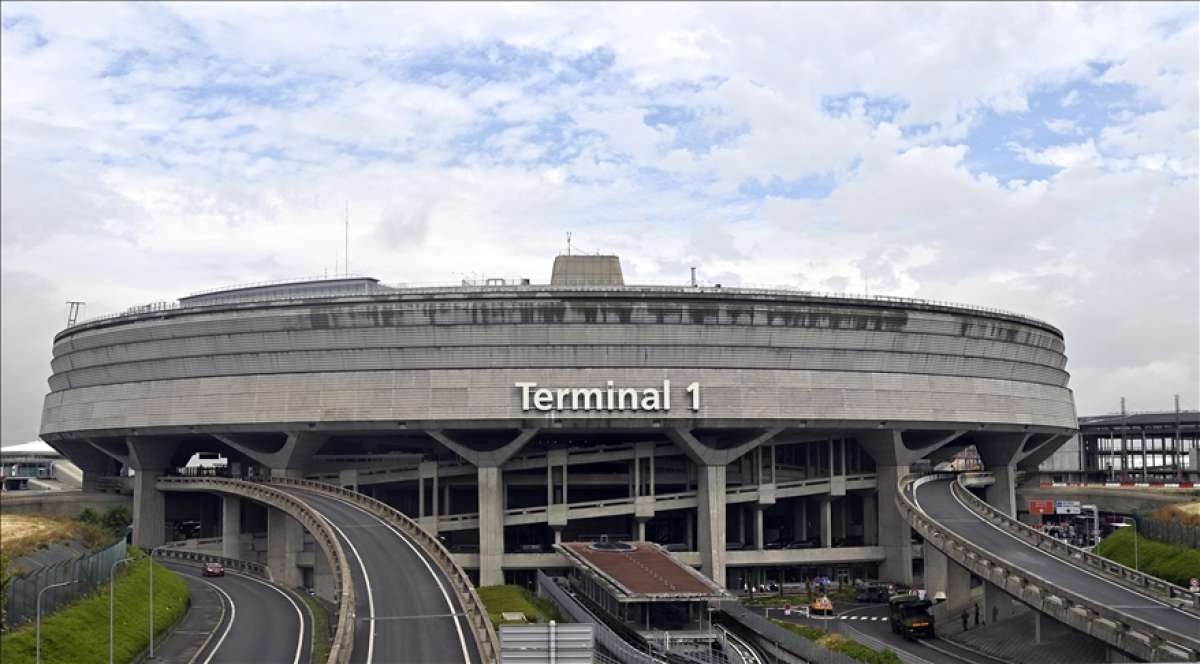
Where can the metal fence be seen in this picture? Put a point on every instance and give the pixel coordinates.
(1171, 532)
(90, 572)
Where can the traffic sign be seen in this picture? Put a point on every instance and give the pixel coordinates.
(1194, 586)
(787, 608)
(1067, 507)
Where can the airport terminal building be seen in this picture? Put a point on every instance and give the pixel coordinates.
(750, 432)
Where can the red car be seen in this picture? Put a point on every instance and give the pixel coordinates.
(214, 569)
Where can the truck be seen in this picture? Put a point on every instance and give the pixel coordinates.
(909, 616)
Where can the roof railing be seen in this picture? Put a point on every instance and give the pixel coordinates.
(386, 290)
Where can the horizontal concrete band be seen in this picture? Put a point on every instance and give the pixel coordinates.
(474, 395)
(115, 346)
(485, 314)
(465, 357)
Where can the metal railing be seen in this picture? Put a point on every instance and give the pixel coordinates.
(620, 649)
(1126, 576)
(674, 288)
(343, 639)
(477, 616)
(257, 569)
(1073, 608)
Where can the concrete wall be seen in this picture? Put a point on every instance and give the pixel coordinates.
(65, 503)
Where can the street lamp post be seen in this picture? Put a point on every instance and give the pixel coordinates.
(1136, 566)
(153, 552)
(111, 585)
(38, 626)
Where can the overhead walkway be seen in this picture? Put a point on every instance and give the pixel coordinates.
(662, 502)
(401, 596)
(1127, 610)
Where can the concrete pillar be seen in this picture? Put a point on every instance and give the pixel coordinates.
(641, 529)
(558, 535)
(1003, 493)
(826, 518)
(943, 575)
(149, 510)
(895, 535)
(711, 508)
(800, 520)
(758, 527)
(491, 526)
(285, 541)
(348, 479)
(870, 519)
(324, 580)
(689, 528)
(231, 526)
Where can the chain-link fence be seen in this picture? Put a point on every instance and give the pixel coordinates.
(89, 572)
(1172, 532)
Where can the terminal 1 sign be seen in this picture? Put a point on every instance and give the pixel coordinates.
(609, 398)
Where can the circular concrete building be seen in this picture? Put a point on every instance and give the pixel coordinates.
(745, 429)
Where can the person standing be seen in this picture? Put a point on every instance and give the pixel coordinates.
(964, 618)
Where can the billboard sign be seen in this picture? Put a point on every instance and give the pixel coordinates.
(1041, 507)
(1067, 507)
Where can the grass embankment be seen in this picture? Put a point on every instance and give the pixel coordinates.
(78, 634)
(504, 599)
(839, 643)
(1170, 562)
(322, 634)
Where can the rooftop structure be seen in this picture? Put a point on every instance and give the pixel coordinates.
(640, 572)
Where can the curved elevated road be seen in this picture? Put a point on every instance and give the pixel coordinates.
(262, 623)
(406, 609)
(939, 502)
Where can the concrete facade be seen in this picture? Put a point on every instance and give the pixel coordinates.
(806, 407)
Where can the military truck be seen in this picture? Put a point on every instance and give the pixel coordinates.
(909, 615)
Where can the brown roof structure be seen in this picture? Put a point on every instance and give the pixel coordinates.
(640, 571)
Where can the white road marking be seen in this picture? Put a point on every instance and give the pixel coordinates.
(449, 604)
(300, 616)
(232, 617)
(367, 581)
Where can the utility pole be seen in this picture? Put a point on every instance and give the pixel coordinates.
(1124, 458)
(347, 238)
(693, 277)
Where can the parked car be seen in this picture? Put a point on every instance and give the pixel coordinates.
(871, 592)
(214, 569)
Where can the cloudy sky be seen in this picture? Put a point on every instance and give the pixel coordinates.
(1035, 157)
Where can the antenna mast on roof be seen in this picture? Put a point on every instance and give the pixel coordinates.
(74, 307)
(347, 238)
(568, 243)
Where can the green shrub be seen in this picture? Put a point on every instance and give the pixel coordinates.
(1169, 562)
(841, 644)
(78, 633)
(502, 599)
(117, 520)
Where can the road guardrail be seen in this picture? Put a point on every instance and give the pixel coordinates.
(477, 616)
(1139, 638)
(343, 638)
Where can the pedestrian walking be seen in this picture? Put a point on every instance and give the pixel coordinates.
(964, 617)
(977, 615)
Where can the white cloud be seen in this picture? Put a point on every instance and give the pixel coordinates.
(153, 150)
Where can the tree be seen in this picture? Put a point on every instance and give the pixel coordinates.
(117, 520)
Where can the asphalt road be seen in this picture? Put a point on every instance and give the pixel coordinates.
(940, 504)
(868, 625)
(262, 624)
(406, 610)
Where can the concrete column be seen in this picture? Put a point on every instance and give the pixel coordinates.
(689, 525)
(870, 519)
(826, 518)
(641, 529)
(895, 535)
(943, 575)
(758, 527)
(491, 526)
(711, 509)
(324, 580)
(998, 605)
(231, 526)
(1003, 493)
(149, 510)
(558, 535)
(800, 520)
(348, 479)
(285, 541)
